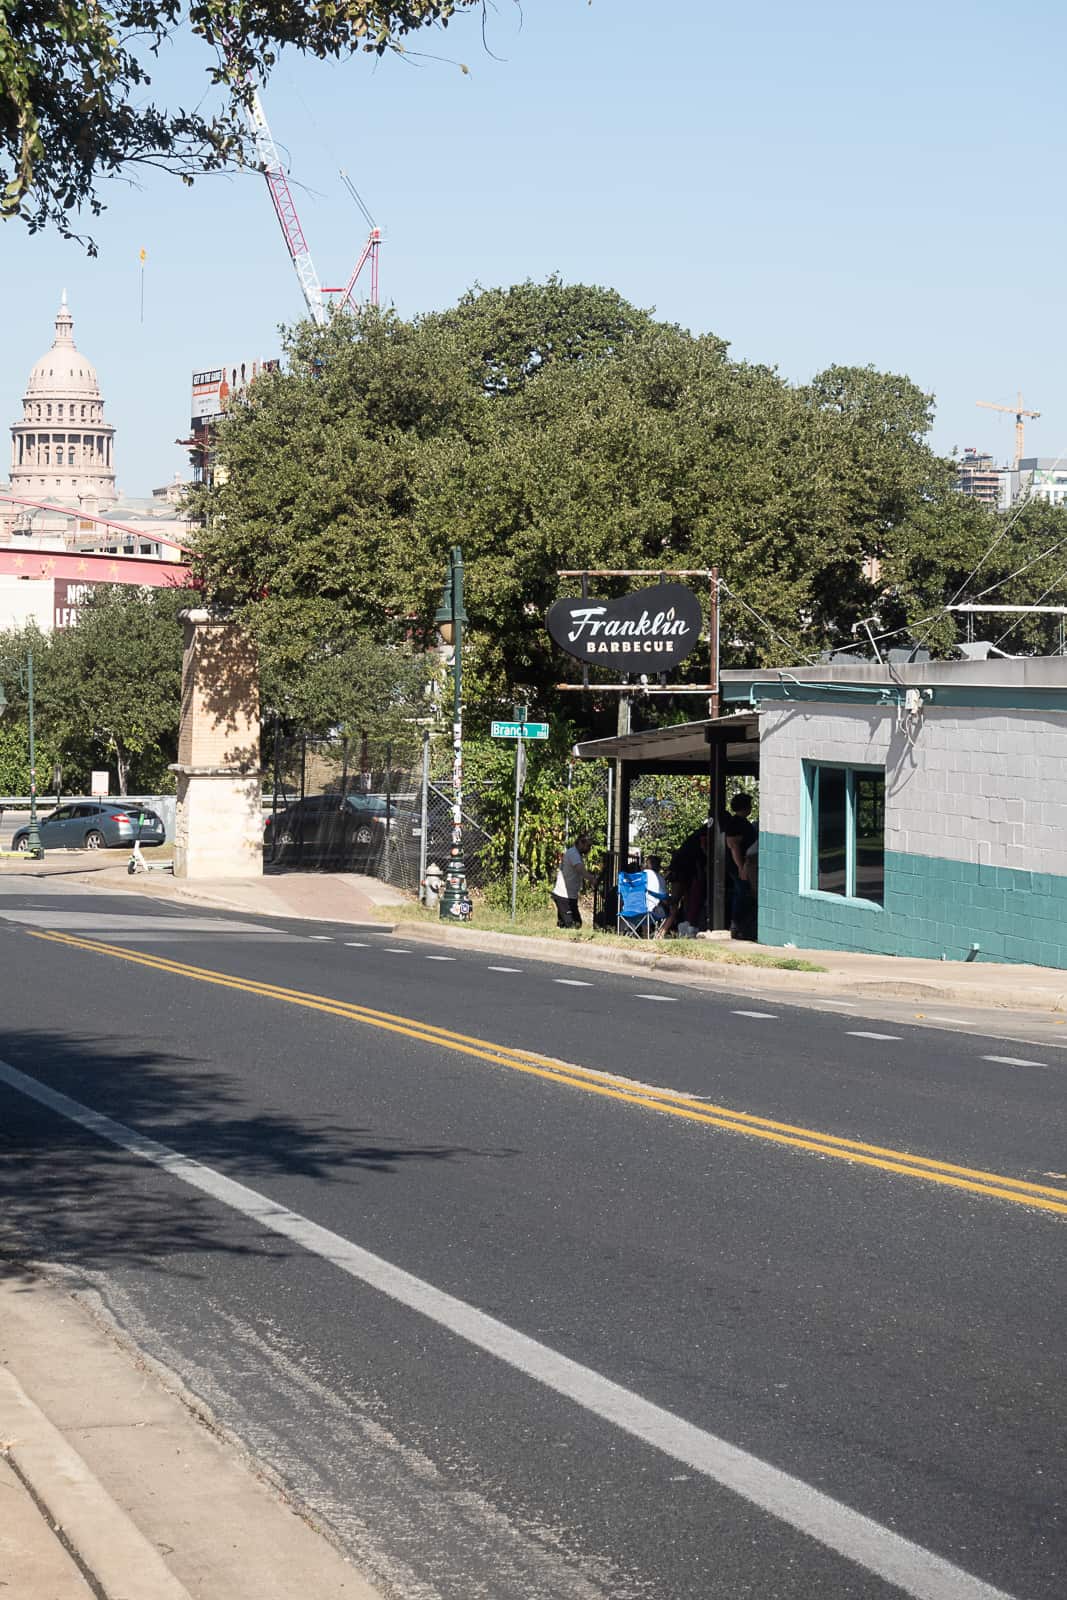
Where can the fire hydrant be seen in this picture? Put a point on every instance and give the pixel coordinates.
(432, 884)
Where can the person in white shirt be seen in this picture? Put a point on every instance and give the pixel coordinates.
(656, 896)
(570, 881)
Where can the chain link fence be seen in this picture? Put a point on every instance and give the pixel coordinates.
(343, 805)
(385, 809)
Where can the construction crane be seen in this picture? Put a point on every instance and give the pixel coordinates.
(990, 405)
(270, 162)
(369, 252)
(285, 210)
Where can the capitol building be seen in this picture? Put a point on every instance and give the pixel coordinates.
(62, 498)
(62, 448)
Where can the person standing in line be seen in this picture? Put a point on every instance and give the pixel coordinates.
(657, 900)
(570, 881)
(741, 835)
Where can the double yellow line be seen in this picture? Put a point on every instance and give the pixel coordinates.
(667, 1101)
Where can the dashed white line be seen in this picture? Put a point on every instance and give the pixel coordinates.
(503, 969)
(573, 983)
(1013, 1061)
(861, 1033)
(665, 999)
(320, 938)
(768, 1016)
(397, 950)
(355, 944)
(440, 958)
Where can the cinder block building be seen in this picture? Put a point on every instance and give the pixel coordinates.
(916, 810)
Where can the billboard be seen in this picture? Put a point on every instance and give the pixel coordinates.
(215, 386)
(67, 595)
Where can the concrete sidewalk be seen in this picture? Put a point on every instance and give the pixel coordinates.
(359, 902)
(114, 1483)
(319, 896)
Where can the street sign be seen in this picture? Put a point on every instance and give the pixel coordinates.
(519, 730)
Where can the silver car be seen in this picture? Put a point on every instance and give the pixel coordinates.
(94, 825)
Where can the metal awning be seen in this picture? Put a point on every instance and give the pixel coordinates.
(681, 746)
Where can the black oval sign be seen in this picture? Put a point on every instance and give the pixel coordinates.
(647, 631)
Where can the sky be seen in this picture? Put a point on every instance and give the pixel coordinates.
(816, 185)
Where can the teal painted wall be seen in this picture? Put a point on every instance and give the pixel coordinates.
(932, 907)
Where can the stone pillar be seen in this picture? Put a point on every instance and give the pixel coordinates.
(219, 825)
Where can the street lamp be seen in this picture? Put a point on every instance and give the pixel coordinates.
(33, 842)
(450, 617)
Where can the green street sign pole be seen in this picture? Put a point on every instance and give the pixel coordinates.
(520, 718)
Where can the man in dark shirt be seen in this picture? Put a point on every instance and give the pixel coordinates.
(740, 834)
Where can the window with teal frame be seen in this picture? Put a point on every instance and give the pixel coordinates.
(846, 831)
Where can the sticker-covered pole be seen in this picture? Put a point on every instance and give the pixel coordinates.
(455, 901)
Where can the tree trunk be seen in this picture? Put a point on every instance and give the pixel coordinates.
(122, 764)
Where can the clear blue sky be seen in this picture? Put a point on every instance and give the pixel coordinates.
(823, 184)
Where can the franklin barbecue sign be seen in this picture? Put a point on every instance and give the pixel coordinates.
(647, 631)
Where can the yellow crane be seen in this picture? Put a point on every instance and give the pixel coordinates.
(990, 405)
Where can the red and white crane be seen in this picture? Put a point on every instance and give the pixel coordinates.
(273, 169)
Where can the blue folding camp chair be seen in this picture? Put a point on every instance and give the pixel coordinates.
(634, 917)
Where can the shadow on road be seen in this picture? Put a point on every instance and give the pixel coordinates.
(69, 1198)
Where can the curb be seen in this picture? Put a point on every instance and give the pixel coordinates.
(106, 1547)
(725, 974)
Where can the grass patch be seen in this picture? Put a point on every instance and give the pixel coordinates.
(542, 925)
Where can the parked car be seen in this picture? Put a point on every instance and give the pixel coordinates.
(351, 829)
(94, 825)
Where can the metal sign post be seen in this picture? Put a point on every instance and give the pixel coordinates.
(520, 730)
(520, 774)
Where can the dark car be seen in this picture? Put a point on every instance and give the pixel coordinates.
(345, 830)
(94, 825)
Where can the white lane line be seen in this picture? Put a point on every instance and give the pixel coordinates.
(957, 1022)
(861, 1033)
(573, 983)
(769, 1016)
(503, 969)
(1014, 1061)
(915, 1571)
(664, 999)
(440, 958)
(355, 944)
(397, 950)
(320, 938)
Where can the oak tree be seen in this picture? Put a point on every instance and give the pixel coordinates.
(76, 99)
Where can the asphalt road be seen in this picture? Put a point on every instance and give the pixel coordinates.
(532, 1281)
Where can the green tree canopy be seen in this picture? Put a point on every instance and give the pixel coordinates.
(75, 84)
(551, 426)
(107, 693)
(112, 684)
